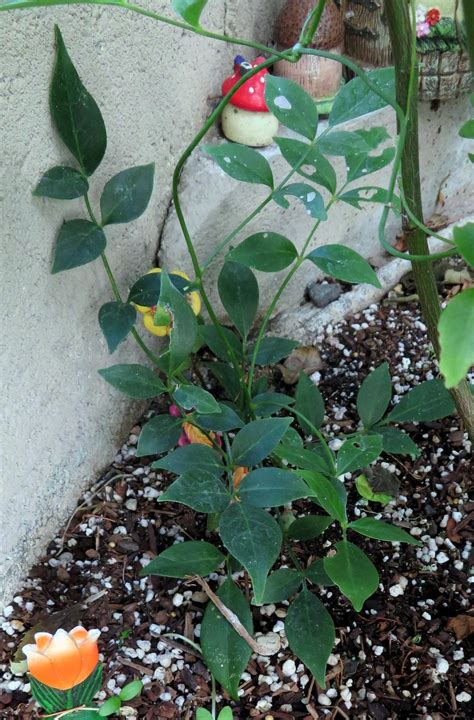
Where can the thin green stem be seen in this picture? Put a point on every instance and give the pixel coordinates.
(311, 24)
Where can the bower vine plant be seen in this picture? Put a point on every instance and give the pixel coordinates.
(244, 456)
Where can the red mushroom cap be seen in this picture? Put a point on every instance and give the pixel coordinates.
(251, 96)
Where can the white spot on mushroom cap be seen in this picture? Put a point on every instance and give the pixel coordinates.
(282, 102)
(251, 90)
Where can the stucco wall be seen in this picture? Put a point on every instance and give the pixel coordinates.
(61, 424)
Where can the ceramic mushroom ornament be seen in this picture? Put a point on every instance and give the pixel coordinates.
(247, 119)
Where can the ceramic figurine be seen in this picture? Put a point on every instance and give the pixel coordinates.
(320, 77)
(247, 119)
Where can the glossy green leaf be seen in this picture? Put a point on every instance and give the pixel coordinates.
(226, 419)
(309, 527)
(307, 194)
(357, 452)
(380, 530)
(116, 320)
(291, 105)
(365, 491)
(317, 574)
(310, 632)
(159, 435)
(241, 163)
(256, 440)
(226, 714)
(467, 130)
(184, 459)
(192, 397)
(362, 164)
(293, 439)
(310, 403)
(146, 291)
(136, 381)
(212, 338)
(396, 441)
(310, 162)
(254, 538)
(225, 653)
(374, 395)
(126, 196)
(200, 490)
(343, 263)
(110, 706)
(331, 496)
(184, 332)
(272, 349)
(368, 194)
(341, 143)
(425, 402)
(463, 236)
(190, 10)
(131, 690)
(238, 291)
(456, 336)
(194, 557)
(269, 403)
(75, 113)
(62, 183)
(355, 575)
(203, 714)
(355, 98)
(265, 251)
(303, 458)
(79, 242)
(281, 585)
(271, 487)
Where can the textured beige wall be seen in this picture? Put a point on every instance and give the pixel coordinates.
(61, 424)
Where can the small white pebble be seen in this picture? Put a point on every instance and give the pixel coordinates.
(178, 600)
(463, 696)
(289, 668)
(442, 665)
(324, 700)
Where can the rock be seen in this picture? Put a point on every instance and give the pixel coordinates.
(321, 294)
(289, 668)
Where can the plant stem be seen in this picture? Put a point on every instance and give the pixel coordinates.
(401, 28)
(311, 24)
(468, 7)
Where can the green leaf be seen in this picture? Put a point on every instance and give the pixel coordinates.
(361, 165)
(227, 376)
(456, 336)
(281, 585)
(62, 183)
(226, 714)
(291, 105)
(357, 452)
(131, 690)
(79, 242)
(126, 196)
(146, 291)
(309, 527)
(302, 458)
(48, 698)
(111, 706)
(238, 291)
(427, 401)
(382, 531)
(75, 113)
(311, 199)
(193, 396)
(136, 381)
(185, 458)
(355, 575)
(341, 143)
(187, 558)
(254, 538)
(268, 403)
(374, 395)
(331, 497)
(212, 338)
(200, 490)
(256, 440)
(159, 435)
(271, 487)
(344, 264)
(53, 700)
(317, 574)
(396, 441)
(265, 251)
(314, 167)
(310, 403)
(463, 236)
(310, 632)
(355, 98)
(272, 349)
(368, 194)
(190, 10)
(225, 653)
(226, 419)
(467, 130)
(365, 491)
(116, 320)
(184, 331)
(202, 714)
(241, 163)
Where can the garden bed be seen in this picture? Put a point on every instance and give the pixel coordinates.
(402, 656)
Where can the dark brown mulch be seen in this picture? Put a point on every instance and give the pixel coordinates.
(398, 658)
